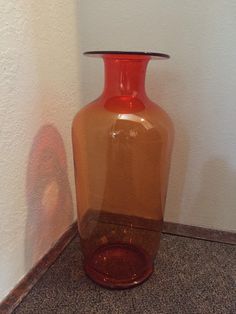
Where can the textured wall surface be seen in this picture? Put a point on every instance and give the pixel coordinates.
(196, 87)
(39, 97)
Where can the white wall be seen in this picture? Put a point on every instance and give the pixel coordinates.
(39, 97)
(196, 87)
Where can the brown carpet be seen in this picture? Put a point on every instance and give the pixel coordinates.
(191, 276)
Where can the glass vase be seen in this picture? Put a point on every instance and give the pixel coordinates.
(122, 147)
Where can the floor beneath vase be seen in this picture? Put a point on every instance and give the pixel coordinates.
(190, 276)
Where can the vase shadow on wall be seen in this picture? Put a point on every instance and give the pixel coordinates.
(48, 194)
(169, 84)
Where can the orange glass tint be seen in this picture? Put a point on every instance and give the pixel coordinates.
(122, 145)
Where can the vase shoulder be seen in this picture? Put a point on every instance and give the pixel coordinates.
(102, 116)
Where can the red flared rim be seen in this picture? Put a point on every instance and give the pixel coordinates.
(152, 55)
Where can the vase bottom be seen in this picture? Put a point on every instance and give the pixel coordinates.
(118, 266)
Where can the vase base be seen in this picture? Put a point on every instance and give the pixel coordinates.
(118, 266)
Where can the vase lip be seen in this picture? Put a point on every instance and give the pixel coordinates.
(151, 55)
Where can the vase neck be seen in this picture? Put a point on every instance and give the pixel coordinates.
(125, 76)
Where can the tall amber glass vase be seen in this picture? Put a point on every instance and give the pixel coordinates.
(122, 145)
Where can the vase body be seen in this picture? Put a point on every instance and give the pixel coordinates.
(122, 147)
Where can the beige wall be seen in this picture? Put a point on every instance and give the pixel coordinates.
(196, 87)
(39, 97)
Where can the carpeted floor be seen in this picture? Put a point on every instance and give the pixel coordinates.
(191, 276)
